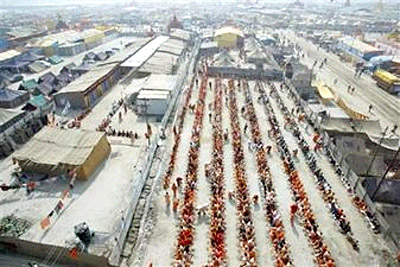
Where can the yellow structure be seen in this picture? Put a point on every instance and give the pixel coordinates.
(54, 151)
(349, 111)
(228, 37)
(325, 92)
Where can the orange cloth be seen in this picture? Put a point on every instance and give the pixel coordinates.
(45, 222)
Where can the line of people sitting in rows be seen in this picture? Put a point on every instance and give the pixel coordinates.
(247, 244)
(308, 221)
(358, 202)
(276, 231)
(177, 130)
(216, 179)
(322, 184)
(183, 250)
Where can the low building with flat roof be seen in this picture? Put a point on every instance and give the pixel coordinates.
(84, 92)
(53, 151)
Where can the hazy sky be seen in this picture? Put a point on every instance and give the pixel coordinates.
(5, 3)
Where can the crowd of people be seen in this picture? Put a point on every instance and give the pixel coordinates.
(242, 197)
(216, 177)
(177, 130)
(322, 184)
(308, 221)
(183, 251)
(358, 202)
(276, 231)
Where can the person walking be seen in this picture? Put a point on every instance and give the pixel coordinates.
(295, 153)
(245, 128)
(174, 189)
(167, 198)
(394, 128)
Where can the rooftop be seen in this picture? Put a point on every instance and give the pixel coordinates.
(54, 146)
(137, 59)
(160, 82)
(229, 29)
(87, 79)
(359, 45)
(9, 54)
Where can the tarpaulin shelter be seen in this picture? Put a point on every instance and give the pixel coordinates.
(12, 98)
(38, 101)
(102, 56)
(46, 89)
(54, 151)
(29, 85)
(68, 68)
(48, 77)
(89, 56)
(37, 67)
(55, 60)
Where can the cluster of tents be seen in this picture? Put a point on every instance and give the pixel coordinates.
(21, 133)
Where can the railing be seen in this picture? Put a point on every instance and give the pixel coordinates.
(139, 183)
(352, 177)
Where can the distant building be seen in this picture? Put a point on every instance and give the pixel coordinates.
(174, 24)
(229, 37)
(357, 49)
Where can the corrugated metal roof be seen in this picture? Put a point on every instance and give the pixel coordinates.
(87, 79)
(181, 34)
(160, 82)
(9, 54)
(152, 95)
(137, 59)
(172, 46)
(160, 63)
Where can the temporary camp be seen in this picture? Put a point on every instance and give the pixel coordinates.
(12, 98)
(54, 151)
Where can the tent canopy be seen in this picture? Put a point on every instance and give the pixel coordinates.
(12, 98)
(53, 151)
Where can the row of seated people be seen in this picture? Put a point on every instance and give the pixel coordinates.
(277, 231)
(242, 196)
(183, 250)
(177, 137)
(322, 184)
(358, 202)
(216, 174)
(102, 127)
(323, 256)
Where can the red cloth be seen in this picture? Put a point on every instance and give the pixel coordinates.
(73, 253)
(31, 185)
(293, 208)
